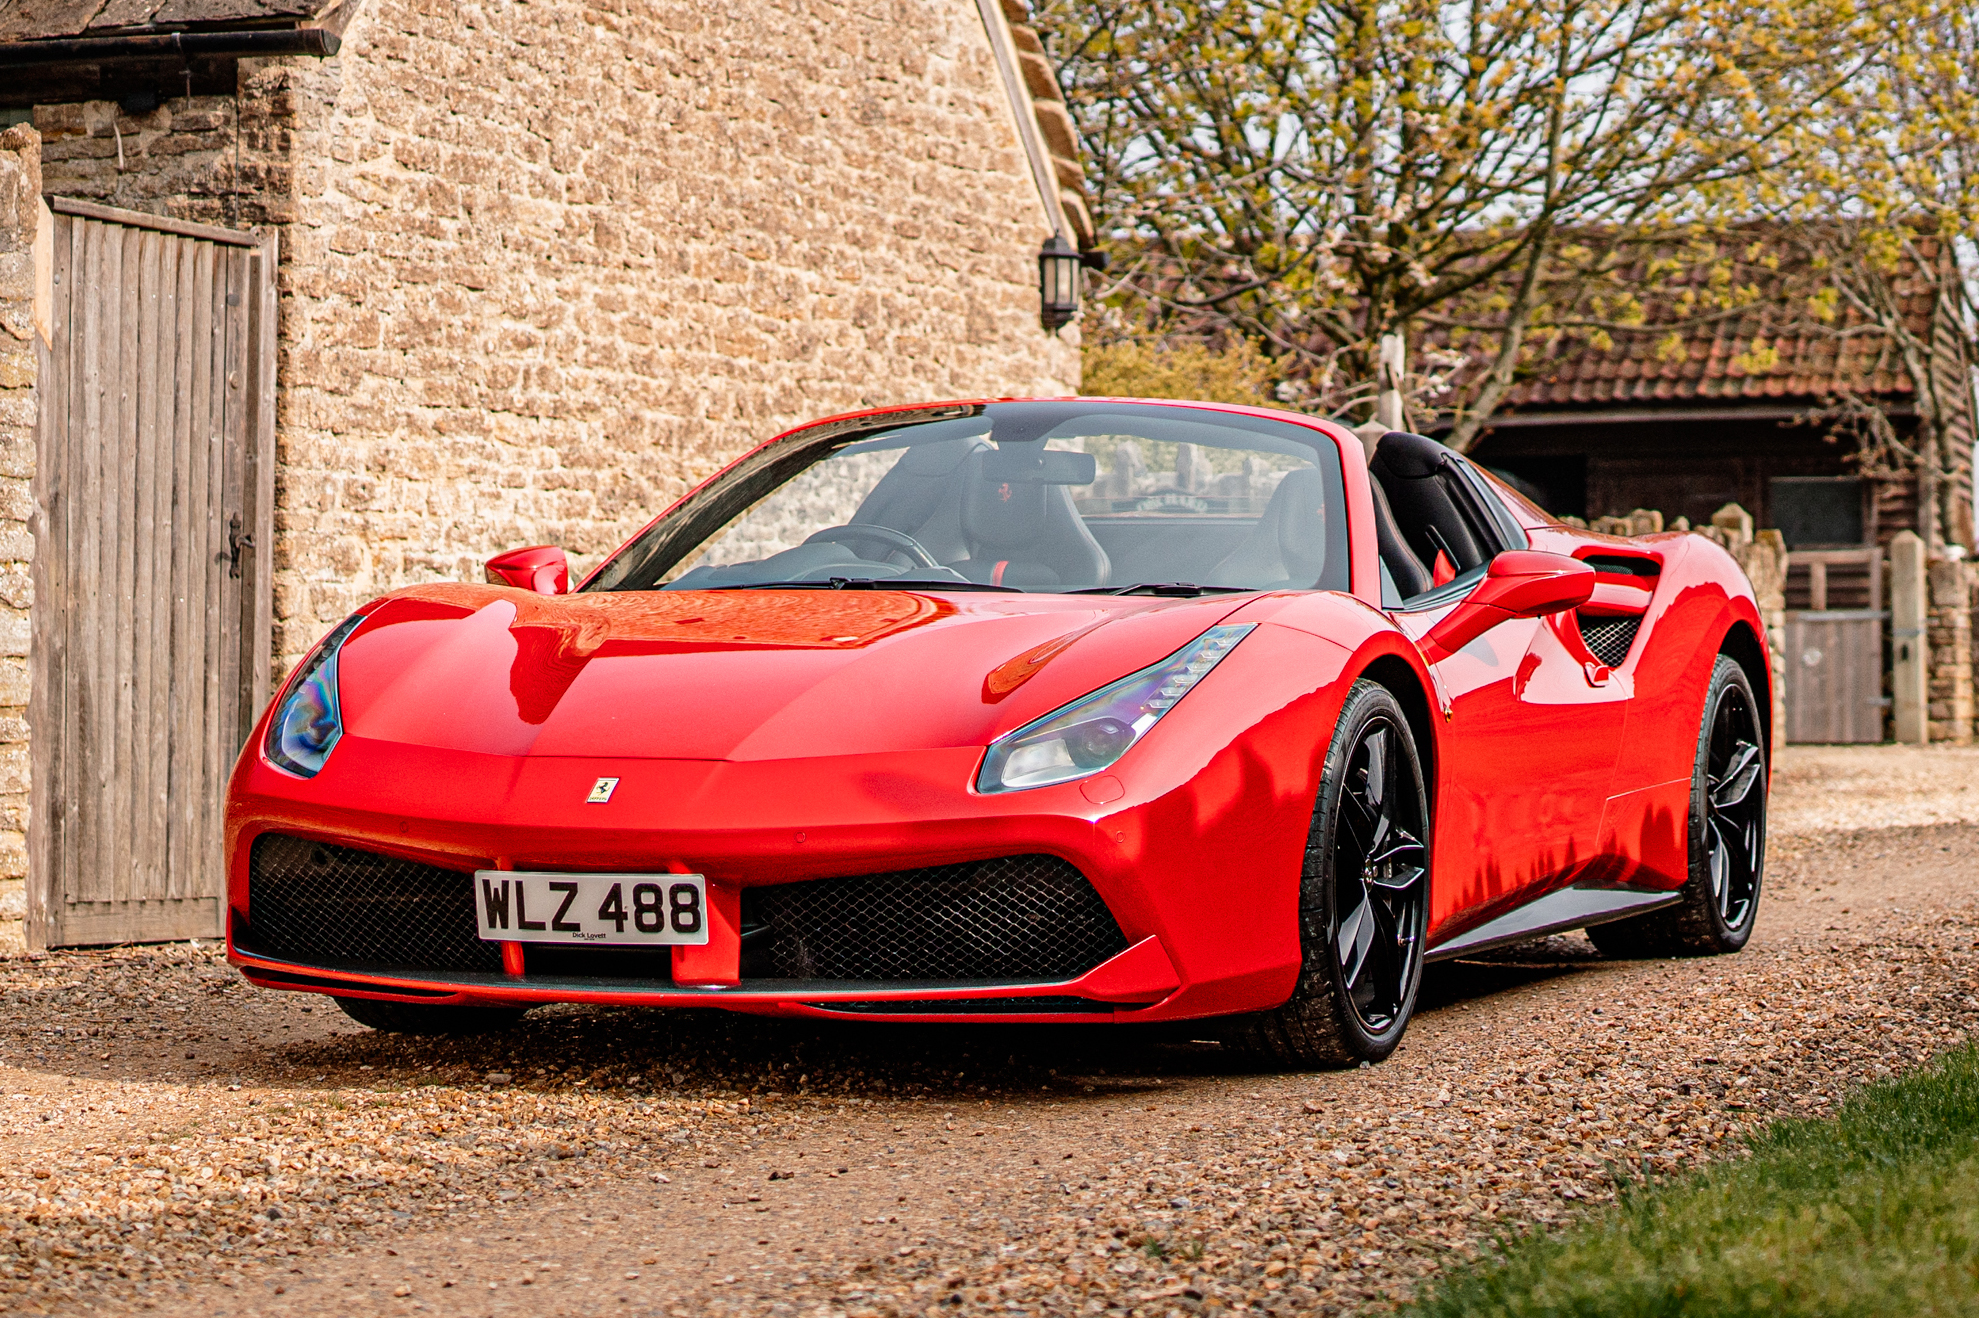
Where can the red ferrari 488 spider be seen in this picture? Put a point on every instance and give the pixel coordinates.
(1064, 710)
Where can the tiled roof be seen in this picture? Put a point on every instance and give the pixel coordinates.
(1773, 349)
(42, 20)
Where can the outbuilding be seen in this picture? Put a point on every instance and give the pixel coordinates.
(309, 299)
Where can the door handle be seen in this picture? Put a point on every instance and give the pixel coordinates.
(235, 543)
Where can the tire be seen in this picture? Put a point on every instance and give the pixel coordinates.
(428, 1017)
(1720, 900)
(1363, 898)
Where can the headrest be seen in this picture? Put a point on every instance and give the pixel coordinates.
(1410, 457)
(1300, 512)
(1001, 514)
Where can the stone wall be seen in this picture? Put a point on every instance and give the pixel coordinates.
(1948, 633)
(21, 331)
(545, 266)
(1761, 555)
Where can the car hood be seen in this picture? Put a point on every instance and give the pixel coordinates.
(738, 675)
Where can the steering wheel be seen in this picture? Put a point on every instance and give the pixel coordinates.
(874, 533)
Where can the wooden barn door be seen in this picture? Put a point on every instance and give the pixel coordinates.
(154, 486)
(1834, 646)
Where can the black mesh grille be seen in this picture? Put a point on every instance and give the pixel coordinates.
(1019, 917)
(327, 905)
(1609, 638)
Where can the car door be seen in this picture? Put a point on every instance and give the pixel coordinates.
(1531, 729)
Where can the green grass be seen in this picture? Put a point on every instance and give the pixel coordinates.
(1874, 1211)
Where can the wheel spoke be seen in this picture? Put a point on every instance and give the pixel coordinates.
(1361, 822)
(1720, 862)
(1403, 844)
(1402, 880)
(1731, 788)
(1356, 937)
(1377, 767)
(1384, 956)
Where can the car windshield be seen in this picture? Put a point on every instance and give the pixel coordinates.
(1064, 496)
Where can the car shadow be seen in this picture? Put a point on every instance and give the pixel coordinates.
(708, 1049)
(704, 1052)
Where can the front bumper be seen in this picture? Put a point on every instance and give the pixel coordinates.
(1204, 900)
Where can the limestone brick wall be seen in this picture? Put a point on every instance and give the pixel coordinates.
(20, 222)
(546, 265)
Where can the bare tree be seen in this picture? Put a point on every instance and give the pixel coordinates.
(1313, 174)
(1884, 211)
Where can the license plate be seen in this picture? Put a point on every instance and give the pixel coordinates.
(640, 909)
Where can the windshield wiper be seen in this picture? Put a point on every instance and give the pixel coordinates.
(868, 583)
(1158, 588)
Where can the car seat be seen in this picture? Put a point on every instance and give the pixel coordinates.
(1025, 533)
(1410, 577)
(1287, 547)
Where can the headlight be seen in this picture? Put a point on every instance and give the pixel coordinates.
(1094, 731)
(308, 721)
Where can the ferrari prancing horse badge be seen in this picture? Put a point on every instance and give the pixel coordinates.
(601, 791)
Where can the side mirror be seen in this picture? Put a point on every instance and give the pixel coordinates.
(542, 568)
(1520, 583)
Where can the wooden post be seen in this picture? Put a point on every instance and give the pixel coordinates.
(1909, 666)
(1388, 409)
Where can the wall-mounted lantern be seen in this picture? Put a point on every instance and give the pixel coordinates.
(1058, 282)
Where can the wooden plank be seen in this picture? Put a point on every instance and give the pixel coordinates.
(120, 537)
(196, 511)
(212, 233)
(93, 756)
(258, 567)
(143, 922)
(75, 773)
(220, 664)
(153, 386)
(229, 520)
(47, 715)
(163, 716)
(186, 683)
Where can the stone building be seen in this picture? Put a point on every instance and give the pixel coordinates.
(1813, 427)
(532, 270)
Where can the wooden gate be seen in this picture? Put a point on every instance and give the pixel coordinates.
(1834, 646)
(154, 490)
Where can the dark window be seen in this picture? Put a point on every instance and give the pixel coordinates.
(1812, 511)
(1557, 484)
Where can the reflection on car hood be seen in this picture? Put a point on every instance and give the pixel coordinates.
(742, 675)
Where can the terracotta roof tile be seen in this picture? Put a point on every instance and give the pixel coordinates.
(1726, 358)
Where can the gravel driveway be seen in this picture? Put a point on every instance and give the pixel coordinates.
(177, 1139)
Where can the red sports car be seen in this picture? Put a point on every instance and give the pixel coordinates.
(1062, 710)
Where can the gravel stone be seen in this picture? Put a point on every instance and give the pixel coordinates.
(178, 1142)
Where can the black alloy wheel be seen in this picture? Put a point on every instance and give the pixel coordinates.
(1364, 897)
(1734, 807)
(1720, 900)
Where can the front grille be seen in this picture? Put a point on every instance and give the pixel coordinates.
(1609, 639)
(336, 906)
(1018, 917)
